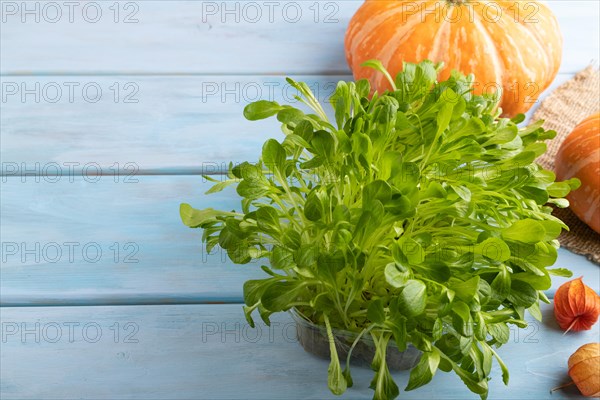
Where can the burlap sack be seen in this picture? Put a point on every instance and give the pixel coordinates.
(562, 110)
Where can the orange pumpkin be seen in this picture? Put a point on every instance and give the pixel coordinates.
(579, 156)
(512, 45)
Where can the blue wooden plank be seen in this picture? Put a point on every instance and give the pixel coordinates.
(179, 125)
(209, 352)
(213, 37)
(111, 243)
(80, 242)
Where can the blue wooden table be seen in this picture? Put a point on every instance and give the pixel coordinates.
(110, 112)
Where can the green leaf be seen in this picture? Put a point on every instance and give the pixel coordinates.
(378, 66)
(445, 114)
(335, 377)
(306, 256)
(261, 109)
(413, 298)
(462, 191)
(535, 311)
(540, 196)
(322, 303)
(217, 187)
(267, 219)
(419, 340)
(280, 295)
(290, 116)
(413, 251)
(313, 208)
(314, 162)
(501, 284)
(340, 101)
(397, 324)
(406, 175)
(522, 294)
(376, 190)
(476, 386)
(323, 145)
(436, 270)
(254, 289)
(291, 238)
(375, 311)
(494, 249)
(505, 374)
(273, 155)
(560, 203)
(526, 231)
(559, 189)
(480, 326)
(461, 318)
(466, 290)
(394, 276)
(499, 331)
(383, 384)
(538, 282)
(565, 273)
(252, 189)
(305, 130)
(196, 218)
(424, 370)
(329, 265)
(552, 228)
(437, 330)
(282, 258)
(248, 314)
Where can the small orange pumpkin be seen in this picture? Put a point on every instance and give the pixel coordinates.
(513, 45)
(579, 156)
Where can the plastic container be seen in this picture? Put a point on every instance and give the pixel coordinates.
(313, 339)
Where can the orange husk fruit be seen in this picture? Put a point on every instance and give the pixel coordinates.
(576, 306)
(584, 369)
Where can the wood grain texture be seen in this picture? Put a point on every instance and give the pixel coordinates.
(190, 123)
(231, 37)
(142, 221)
(179, 125)
(146, 254)
(209, 352)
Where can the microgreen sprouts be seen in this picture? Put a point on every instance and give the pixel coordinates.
(415, 216)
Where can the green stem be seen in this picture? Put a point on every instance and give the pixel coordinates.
(360, 335)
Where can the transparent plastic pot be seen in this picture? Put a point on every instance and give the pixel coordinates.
(313, 339)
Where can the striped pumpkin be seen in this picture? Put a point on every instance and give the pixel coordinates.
(512, 45)
(579, 156)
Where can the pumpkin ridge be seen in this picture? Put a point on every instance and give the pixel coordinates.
(543, 52)
(368, 27)
(390, 48)
(578, 156)
(578, 165)
(528, 27)
(434, 53)
(497, 60)
(581, 141)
